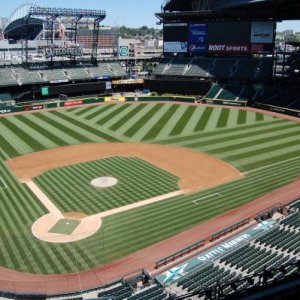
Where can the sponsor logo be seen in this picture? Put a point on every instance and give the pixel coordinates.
(51, 52)
(73, 102)
(124, 51)
(225, 48)
(175, 273)
(33, 107)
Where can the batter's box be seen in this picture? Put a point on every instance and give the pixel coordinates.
(212, 196)
(2, 184)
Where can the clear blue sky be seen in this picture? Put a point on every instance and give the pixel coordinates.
(131, 13)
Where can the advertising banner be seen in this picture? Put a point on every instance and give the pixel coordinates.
(262, 32)
(73, 102)
(228, 48)
(33, 107)
(197, 39)
(176, 47)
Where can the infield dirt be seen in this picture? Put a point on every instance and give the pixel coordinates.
(196, 170)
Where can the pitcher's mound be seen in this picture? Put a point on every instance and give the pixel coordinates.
(104, 182)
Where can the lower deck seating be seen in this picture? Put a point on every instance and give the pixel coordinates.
(154, 292)
(119, 291)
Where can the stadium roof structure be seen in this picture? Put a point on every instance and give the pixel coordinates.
(28, 18)
(277, 10)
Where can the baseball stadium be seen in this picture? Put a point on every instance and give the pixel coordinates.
(190, 191)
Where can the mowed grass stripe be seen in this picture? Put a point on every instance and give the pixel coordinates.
(221, 132)
(157, 128)
(204, 119)
(11, 138)
(187, 115)
(253, 133)
(74, 134)
(268, 161)
(259, 116)
(128, 117)
(96, 111)
(242, 117)
(29, 140)
(8, 149)
(16, 196)
(266, 150)
(83, 110)
(223, 119)
(48, 144)
(256, 140)
(55, 139)
(143, 120)
(86, 127)
(113, 114)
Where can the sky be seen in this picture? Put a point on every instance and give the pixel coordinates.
(131, 13)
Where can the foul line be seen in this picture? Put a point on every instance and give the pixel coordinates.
(139, 204)
(271, 165)
(206, 197)
(44, 199)
(4, 186)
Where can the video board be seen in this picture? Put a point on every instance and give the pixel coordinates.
(175, 37)
(220, 37)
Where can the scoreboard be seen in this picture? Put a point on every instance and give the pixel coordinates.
(219, 37)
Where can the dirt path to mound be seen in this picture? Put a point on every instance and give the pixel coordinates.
(196, 170)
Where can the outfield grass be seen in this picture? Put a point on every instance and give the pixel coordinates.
(267, 147)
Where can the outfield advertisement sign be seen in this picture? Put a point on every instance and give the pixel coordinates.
(176, 47)
(73, 102)
(172, 275)
(33, 107)
(5, 111)
(197, 39)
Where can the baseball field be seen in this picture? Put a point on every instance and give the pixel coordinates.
(263, 152)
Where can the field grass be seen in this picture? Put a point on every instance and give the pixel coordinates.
(266, 148)
(137, 180)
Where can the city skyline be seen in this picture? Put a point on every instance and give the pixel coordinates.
(130, 13)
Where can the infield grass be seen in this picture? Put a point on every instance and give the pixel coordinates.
(70, 190)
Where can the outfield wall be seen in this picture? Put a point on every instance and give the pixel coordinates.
(41, 105)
